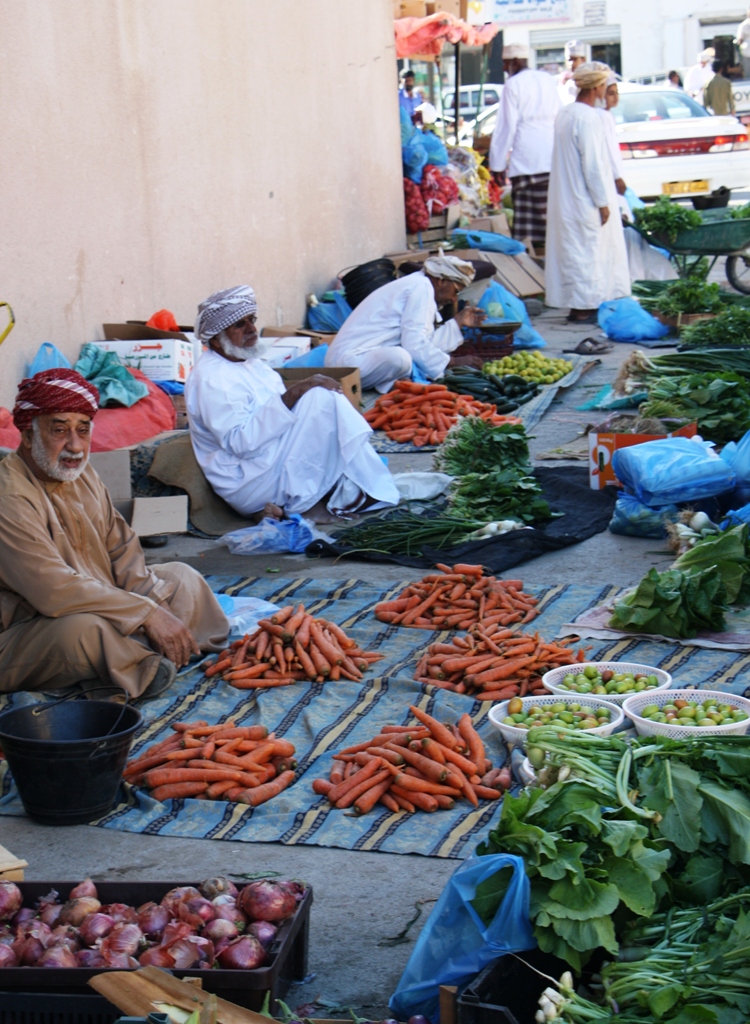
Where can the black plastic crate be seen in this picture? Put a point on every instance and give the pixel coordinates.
(34, 1008)
(507, 991)
(287, 955)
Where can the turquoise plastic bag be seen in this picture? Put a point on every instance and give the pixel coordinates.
(48, 357)
(501, 305)
(329, 316)
(116, 384)
(672, 470)
(626, 320)
(631, 518)
(490, 241)
(455, 944)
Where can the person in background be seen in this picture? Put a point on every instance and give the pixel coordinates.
(81, 610)
(586, 261)
(743, 45)
(407, 97)
(674, 81)
(575, 55)
(521, 146)
(303, 448)
(394, 329)
(611, 99)
(700, 74)
(718, 96)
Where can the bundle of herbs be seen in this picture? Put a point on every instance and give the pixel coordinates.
(500, 494)
(718, 402)
(731, 327)
(408, 529)
(666, 219)
(686, 295)
(476, 446)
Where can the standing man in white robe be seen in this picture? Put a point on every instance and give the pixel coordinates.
(700, 74)
(300, 448)
(521, 146)
(575, 55)
(586, 259)
(394, 329)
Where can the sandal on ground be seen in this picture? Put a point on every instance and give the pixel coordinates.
(590, 347)
(592, 318)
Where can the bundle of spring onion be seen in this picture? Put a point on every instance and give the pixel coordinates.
(640, 369)
(405, 531)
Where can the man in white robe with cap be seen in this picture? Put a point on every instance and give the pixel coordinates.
(521, 146)
(575, 55)
(586, 260)
(699, 75)
(395, 328)
(303, 448)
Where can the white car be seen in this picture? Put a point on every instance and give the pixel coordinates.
(671, 145)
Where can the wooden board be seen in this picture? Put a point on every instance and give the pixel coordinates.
(11, 867)
(513, 274)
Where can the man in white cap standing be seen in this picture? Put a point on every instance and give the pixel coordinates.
(521, 146)
(700, 74)
(587, 262)
(394, 329)
(575, 55)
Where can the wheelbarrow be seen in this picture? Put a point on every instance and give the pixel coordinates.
(11, 321)
(717, 236)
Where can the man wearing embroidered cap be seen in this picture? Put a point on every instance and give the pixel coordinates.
(395, 330)
(521, 146)
(699, 75)
(78, 606)
(587, 261)
(299, 448)
(575, 55)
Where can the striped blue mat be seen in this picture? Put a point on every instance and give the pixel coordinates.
(322, 718)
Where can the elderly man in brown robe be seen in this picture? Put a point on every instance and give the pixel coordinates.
(78, 605)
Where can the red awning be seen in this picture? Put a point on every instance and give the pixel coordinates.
(428, 35)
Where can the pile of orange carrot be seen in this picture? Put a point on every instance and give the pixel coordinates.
(425, 766)
(494, 663)
(424, 413)
(288, 647)
(459, 598)
(216, 762)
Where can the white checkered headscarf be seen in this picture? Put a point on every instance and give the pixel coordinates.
(222, 309)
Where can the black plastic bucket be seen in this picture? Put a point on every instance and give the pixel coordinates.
(364, 279)
(67, 759)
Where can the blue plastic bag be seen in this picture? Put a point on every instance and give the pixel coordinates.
(48, 357)
(329, 316)
(414, 156)
(272, 535)
(736, 454)
(455, 944)
(315, 357)
(490, 241)
(631, 518)
(501, 305)
(627, 320)
(672, 470)
(437, 154)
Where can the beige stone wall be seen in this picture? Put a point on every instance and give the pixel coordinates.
(153, 151)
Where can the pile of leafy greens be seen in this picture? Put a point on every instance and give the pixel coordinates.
(687, 295)
(501, 494)
(718, 402)
(674, 603)
(666, 219)
(476, 446)
(728, 553)
(732, 327)
(640, 850)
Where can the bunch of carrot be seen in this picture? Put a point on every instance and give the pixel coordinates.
(288, 647)
(216, 762)
(493, 663)
(424, 413)
(459, 598)
(425, 766)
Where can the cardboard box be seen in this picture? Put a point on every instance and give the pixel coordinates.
(347, 376)
(496, 224)
(11, 867)
(114, 471)
(150, 516)
(156, 358)
(180, 410)
(602, 447)
(285, 331)
(278, 355)
(136, 330)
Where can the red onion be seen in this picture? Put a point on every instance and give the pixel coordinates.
(221, 944)
(90, 958)
(95, 926)
(157, 956)
(175, 930)
(50, 913)
(7, 957)
(24, 914)
(231, 912)
(10, 900)
(7, 936)
(65, 935)
(192, 952)
(220, 929)
(121, 913)
(264, 932)
(196, 911)
(152, 920)
(297, 889)
(57, 956)
(119, 960)
(75, 911)
(124, 938)
(27, 951)
(267, 901)
(86, 888)
(36, 930)
(244, 954)
(218, 886)
(175, 896)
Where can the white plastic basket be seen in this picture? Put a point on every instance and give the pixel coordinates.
(516, 737)
(554, 677)
(645, 727)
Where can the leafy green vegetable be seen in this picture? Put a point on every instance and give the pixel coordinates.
(666, 219)
(476, 446)
(727, 551)
(490, 894)
(718, 402)
(673, 603)
(687, 295)
(408, 531)
(501, 494)
(731, 327)
(740, 212)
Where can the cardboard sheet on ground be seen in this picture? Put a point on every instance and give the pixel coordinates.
(320, 719)
(593, 624)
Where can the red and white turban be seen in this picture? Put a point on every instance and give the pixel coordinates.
(52, 391)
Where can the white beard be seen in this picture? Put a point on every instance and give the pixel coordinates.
(55, 469)
(256, 351)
